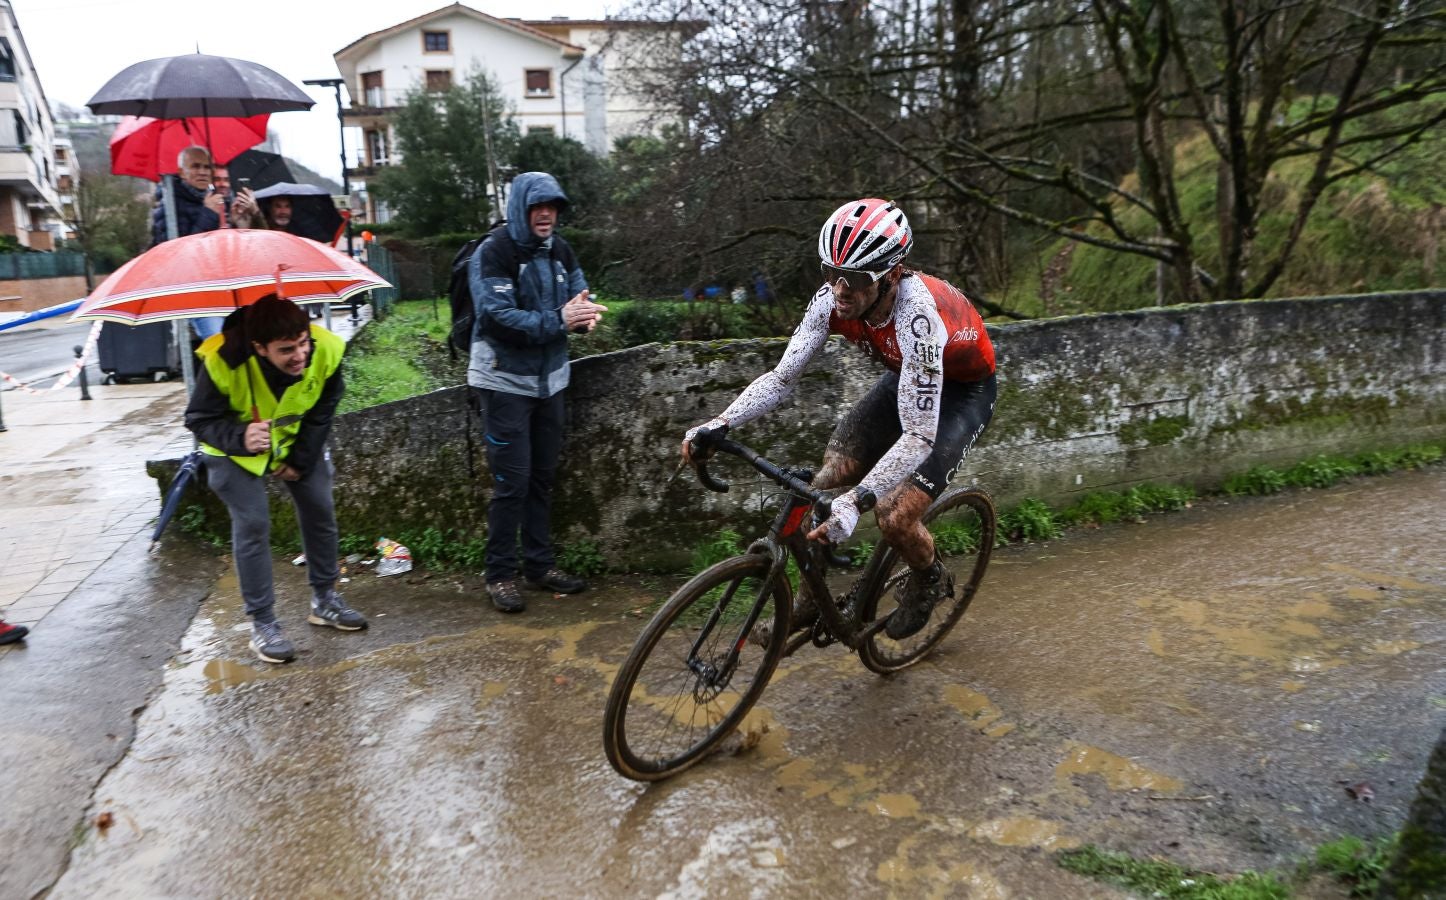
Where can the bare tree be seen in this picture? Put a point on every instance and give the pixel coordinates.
(1062, 117)
(112, 219)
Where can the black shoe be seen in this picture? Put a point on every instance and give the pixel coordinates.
(805, 613)
(924, 589)
(329, 609)
(270, 644)
(9, 634)
(505, 596)
(559, 582)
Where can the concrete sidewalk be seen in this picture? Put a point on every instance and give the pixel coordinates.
(75, 488)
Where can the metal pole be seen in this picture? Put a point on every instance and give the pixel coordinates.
(84, 381)
(180, 329)
(487, 145)
(335, 84)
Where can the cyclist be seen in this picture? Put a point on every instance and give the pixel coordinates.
(901, 444)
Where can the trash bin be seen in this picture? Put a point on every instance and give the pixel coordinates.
(141, 351)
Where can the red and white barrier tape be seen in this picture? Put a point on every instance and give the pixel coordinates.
(69, 374)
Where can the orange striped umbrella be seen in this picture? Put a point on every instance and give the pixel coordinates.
(214, 272)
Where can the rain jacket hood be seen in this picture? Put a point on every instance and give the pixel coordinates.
(519, 286)
(528, 190)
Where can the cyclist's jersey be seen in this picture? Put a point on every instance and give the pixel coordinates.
(930, 354)
(968, 352)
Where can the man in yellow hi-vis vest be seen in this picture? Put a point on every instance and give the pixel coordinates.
(263, 405)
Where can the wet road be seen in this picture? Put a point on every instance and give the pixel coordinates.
(31, 353)
(1203, 687)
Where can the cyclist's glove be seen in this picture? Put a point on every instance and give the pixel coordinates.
(710, 425)
(844, 517)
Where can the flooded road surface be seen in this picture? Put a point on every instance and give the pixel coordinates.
(1205, 688)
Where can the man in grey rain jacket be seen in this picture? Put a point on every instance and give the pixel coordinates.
(529, 295)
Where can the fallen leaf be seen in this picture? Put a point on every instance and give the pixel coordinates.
(561, 680)
(104, 821)
(1361, 791)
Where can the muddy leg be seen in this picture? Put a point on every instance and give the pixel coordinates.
(899, 514)
(838, 471)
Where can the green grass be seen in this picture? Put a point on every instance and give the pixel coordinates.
(582, 558)
(1356, 863)
(1323, 471)
(1371, 232)
(1031, 520)
(1350, 861)
(723, 545)
(401, 356)
(1151, 878)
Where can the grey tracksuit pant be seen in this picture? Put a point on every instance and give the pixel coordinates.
(245, 497)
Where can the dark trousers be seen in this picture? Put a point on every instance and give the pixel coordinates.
(245, 497)
(524, 440)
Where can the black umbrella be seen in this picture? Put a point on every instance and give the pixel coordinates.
(313, 214)
(197, 84)
(184, 476)
(262, 169)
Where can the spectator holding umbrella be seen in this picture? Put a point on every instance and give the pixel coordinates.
(198, 209)
(301, 209)
(263, 407)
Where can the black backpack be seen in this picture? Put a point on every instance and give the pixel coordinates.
(459, 291)
(459, 288)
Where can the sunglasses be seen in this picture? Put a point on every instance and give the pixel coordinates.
(856, 279)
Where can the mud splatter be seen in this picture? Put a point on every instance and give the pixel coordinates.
(1119, 773)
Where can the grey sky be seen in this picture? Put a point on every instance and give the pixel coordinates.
(77, 45)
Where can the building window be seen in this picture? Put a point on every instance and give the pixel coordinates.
(7, 61)
(539, 82)
(436, 42)
(439, 80)
(372, 89)
(376, 148)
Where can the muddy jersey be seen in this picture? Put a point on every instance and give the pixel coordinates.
(968, 352)
(943, 338)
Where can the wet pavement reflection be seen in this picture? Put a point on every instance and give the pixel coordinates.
(1200, 687)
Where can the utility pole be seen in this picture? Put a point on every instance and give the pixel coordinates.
(492, 181)
(335, 84)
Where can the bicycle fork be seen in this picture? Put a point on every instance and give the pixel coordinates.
(715, 675)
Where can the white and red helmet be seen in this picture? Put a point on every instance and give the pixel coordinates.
(870, 235)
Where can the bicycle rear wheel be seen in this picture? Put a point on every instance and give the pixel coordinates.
(681, 691)
(962, 522)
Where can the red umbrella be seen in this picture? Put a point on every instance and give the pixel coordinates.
(147, 148)
(240, 266)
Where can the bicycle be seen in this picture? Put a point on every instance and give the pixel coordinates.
(692, 669)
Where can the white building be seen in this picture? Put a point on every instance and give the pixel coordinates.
(558, 74)
(30, 205)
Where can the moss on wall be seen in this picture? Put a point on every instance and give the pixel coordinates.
(1184, 395)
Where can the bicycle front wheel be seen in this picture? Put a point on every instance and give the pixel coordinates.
(693, 674)
(962, 523)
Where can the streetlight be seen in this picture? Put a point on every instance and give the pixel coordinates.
(335, 84)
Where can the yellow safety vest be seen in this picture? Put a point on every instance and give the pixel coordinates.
(284, 413)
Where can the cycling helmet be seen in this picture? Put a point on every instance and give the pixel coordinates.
(869, 235)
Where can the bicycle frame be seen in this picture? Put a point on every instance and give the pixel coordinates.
(786, 538)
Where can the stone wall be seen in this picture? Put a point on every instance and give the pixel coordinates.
(1184, 395)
